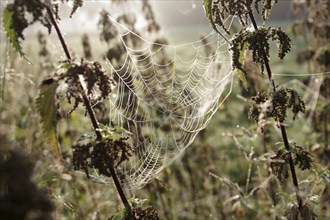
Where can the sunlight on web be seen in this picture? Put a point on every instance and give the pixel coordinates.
(165, 95)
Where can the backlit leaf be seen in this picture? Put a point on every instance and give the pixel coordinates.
(46, 107)
(11, 33)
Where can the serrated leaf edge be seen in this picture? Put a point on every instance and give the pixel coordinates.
(47, 91)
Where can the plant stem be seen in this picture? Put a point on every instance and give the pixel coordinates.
(93, 119)
(283, 130)
(59, 34)
(4, 80)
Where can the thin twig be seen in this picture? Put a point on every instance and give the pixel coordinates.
(283, 130)
(93, 119)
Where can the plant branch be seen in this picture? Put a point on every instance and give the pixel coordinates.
(59, 34)
(283, 130)
(93, 118)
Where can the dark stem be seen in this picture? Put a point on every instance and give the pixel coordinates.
(91, 114)
(93, 119)
(283, 131)
(59, 34)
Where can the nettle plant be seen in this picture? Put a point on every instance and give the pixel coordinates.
(75, 82)
(275, 103)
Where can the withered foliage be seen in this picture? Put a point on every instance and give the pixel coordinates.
(22, 12)
(302, 158)
(280, 161)
(98, 84)
(148, 213)
(280, 164)
(257, 41)
(304, 213)
(221, 9)
(21, 8)
(101, 155)
(276, 105)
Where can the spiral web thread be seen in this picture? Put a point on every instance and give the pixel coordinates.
(164, 97)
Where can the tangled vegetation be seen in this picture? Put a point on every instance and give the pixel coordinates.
(276, 168)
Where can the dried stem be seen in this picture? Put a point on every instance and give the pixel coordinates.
(283, 130)
(93, 118)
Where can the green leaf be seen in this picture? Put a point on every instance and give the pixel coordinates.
(65, 66)
(208, 11)
(46, 107)
(12, 35)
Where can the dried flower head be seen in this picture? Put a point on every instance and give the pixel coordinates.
(279, 164)
(102, 155)
(257, 41)
(276, 105)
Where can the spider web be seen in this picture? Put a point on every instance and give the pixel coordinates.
(165, 95)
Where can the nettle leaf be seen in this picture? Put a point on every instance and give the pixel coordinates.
(12, 35)
(208, 11)
(46, 107)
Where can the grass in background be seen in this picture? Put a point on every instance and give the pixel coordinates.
(212, 179)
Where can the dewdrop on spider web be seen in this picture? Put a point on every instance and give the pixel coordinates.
(165, 95)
